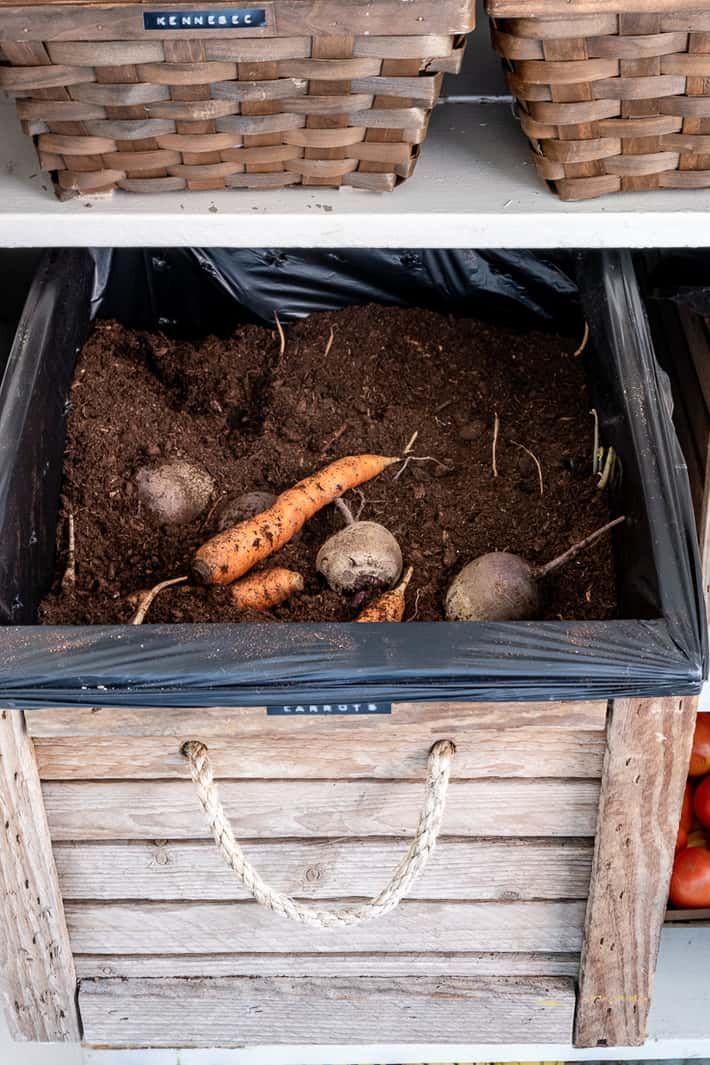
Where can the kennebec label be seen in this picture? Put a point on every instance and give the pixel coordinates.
(238, 18)
(331, 709)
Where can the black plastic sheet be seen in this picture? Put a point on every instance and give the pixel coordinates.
(658, 648)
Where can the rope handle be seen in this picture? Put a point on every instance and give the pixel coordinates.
(410, 867)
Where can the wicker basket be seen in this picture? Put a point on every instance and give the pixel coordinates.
(288, 92)
(614, 96)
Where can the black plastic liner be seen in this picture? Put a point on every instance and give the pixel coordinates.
(662, 651)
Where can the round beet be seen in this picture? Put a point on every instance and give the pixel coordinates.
(363, 555)
(495, 587)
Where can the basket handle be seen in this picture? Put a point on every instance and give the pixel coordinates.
(410, 867)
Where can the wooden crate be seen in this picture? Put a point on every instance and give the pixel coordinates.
(613, 97)
(109, 882)
(286, 92)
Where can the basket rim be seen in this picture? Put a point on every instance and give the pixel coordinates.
(462, 7)
(570, 9)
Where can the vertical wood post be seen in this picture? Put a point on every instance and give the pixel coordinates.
(645, 768)
(37, 979)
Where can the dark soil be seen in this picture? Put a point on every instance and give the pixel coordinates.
(256, 420)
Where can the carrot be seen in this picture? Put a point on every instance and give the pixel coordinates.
(232, 553)
(261, 591)
(390, 605)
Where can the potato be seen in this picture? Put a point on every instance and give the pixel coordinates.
(361, 556)
(175, 492)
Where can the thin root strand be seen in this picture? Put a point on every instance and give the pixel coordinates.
(147, 598)
(535, 459)
(496, 430)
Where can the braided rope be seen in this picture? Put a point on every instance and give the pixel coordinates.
(410, 867)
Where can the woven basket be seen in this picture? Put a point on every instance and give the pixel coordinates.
(212, 96)
(614, 96)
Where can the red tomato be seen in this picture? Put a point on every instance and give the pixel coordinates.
(686, 818)
(702, 802)
(700, 757)
(690, 883)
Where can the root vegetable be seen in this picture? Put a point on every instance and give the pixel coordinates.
(504, 587)
(233, 552)
(176, 492)
(261, 591)
(390, 605)
(363, 555)
(234, 509)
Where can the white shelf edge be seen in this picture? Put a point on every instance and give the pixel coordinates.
(475, 187)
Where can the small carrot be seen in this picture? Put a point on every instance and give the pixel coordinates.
(261, 591)
(390, 605)
(232, 553)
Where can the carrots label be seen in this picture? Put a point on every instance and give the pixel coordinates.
(334, 709)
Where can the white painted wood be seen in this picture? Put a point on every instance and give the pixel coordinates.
(385, 753)
(474, 187)
(167, 809)
(295, 965)
(461, 869)
(223, 1012)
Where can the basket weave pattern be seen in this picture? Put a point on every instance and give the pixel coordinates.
(613, 102)
(165, 115)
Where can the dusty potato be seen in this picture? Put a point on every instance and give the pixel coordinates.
(362, 555)
(175, 492)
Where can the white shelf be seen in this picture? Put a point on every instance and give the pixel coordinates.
(475, 186)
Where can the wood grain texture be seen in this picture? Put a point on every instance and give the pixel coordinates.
(645, 768)
(438, 719)
(391, 755)
(123, 20)
(280, 809)
(37, 980)
(235, 927)
(229, 1012)
(459, 869)
(100, 966)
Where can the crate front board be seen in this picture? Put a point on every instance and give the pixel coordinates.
(161, 936)
(178, 97)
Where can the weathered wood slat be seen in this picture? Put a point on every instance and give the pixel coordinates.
(278, 809)
(234, 927)
(390, 755)
(439, 718)
(460, 869)
(123, 21)
(645, 769)
(225, 1012)
(37, 981)
(100, 966)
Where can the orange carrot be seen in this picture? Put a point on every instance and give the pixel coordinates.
(390, 605)
(232, 553)
(261, 591)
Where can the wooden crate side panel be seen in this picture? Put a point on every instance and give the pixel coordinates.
(245, 722)
(470, 963)
(165, 809)
(37, 981)
(391, 754)
(229, 1012)
(645, 769)
(482, 870)
(236, 927)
